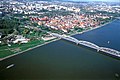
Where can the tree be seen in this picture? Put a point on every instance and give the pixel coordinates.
(7, 26)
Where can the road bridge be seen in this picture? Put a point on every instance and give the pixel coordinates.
(88, 44)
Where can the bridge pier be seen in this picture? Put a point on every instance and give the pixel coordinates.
(98, 50)
(88, 44)
(77, 43)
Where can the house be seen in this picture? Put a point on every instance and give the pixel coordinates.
(20, 39)
(0, 38)
(1, 14)
(0, 35)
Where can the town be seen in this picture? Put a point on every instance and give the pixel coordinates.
(25, 24)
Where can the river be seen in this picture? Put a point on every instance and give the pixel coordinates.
(64, 60)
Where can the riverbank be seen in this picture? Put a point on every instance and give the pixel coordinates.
(27, 49)
(54, 40)
(92, 28)
(62, 59)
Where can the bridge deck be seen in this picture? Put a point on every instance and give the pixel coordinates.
(88, 44)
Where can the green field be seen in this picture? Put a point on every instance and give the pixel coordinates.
(15, 48)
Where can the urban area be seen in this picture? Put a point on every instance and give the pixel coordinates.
(25, 25)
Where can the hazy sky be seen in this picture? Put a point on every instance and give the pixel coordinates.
(98, 0)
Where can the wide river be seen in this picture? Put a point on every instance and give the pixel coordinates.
(64, 60)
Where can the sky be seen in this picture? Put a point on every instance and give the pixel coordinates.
(99, 0)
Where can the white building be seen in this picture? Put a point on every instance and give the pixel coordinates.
(21, 39)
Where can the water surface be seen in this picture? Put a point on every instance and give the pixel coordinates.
(65, 60)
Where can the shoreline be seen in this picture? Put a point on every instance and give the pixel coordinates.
(1, 59)
(92, 28)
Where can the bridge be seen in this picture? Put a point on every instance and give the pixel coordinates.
(118, 18)
(88, 44)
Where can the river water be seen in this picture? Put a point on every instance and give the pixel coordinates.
(64, 60)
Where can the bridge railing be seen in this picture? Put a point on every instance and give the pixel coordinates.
(111, 50)
(89, 44)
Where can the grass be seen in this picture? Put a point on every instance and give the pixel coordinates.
(15, 48)
(5, 53)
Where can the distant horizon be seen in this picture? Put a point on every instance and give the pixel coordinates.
(84, 0)
(78, 0)
(96, 0)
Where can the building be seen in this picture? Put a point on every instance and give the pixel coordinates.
(1, 14)
(20, 39)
